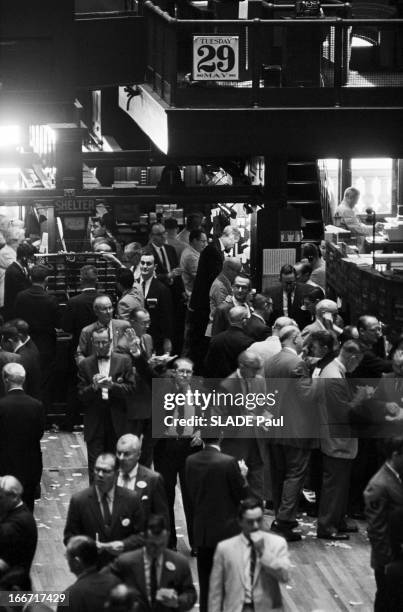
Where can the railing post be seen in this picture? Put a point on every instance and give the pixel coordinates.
(254, 60)
(173, 48)
(338, 59)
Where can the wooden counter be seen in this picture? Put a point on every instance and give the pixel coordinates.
(362, 289)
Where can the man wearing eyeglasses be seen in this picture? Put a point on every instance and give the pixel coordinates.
(109, 514)
(105, 381)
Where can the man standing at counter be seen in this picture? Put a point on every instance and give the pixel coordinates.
(346, 217)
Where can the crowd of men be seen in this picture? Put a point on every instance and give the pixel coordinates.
(185, 313)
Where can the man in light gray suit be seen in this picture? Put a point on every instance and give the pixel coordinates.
(248, 568)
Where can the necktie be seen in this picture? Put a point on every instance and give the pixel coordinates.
(153, 580)
(252, 567)
(164, 259)
(105, 510)
(289, 303)
(126, 480)
(143, 286)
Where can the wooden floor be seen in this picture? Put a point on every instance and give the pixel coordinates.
(325, 577)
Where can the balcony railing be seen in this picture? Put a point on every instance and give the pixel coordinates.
(280, 60)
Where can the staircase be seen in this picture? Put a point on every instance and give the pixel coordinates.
(304, 194)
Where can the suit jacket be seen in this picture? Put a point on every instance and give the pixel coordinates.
(370, 416)
(222, 356)
(15, 280)
(210, 265)
(151, 490)
(161, 269)
(41, 311)
(84, 517)
(129, 568)
(122, 375)
(78, 314)
(276, 294)
(85, 348)
(210, 476)
(227, 579)
(22, 422)
(256, 328)
(336, 439)
(6, 357)
(89, 592)
(159, 304)
(297, 401)
(131, 299)
(18, 538)
(30, 359)
(139, 401)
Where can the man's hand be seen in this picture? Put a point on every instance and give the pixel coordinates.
(114, 548)
(244, 468)
(392, 408)
(168, 598)
(196, 439)
(257, 540)
(398, 418)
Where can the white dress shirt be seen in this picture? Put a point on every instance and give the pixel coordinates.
(131, 482)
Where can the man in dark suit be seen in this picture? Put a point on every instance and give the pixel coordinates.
(22, 423)
(11, 341)
(210, 265)
(158, 301)
(41, 311)
(210, 476)
(288, 296)
(105, 381)
(291, 450)
(256, 326)
(18, 532)
(91, 589)
(79, 311)
(169, 272)
(222, 356)
(177, 443)
(136, 477)
(103, 311)
(161, 577)
(17, 278)
(240, 293)
(110, 515)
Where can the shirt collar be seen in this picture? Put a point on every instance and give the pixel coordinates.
(394, 472)
(341, 365)
(110, 495)
(288, 348)
(133, 473)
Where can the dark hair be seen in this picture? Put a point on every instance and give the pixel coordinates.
(259, 300)
(347, 334)
(21, 326)
(100, 329)
(156, 523)
(351, 347)
(315, 295)
(170, 223)
(324, 337)
(310, 251)
(287, 269)
(250, 503)
(39, 273)
(125, 277)
(104, 456)
(393, 445)
(84, 548)
(149, 252)
(304, 268)
(89, 274)
(195, 234)
(25, 250)
(9, 332)
(194, 221)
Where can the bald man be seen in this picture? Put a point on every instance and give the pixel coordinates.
(326, 318)
(222, 355)
(18, 532)
(136, 477)
(21, 429)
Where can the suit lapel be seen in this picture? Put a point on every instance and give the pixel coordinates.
(117, 506)
(239, 560)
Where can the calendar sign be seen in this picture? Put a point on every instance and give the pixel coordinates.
(215, 58)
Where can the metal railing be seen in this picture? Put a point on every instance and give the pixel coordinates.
(283, 61)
